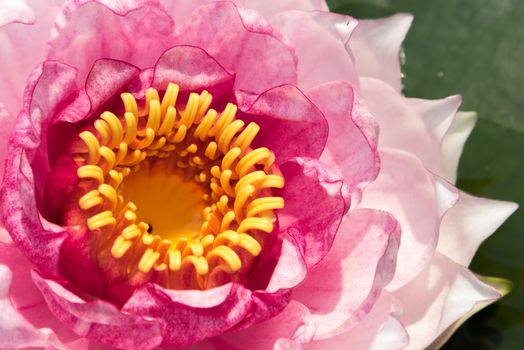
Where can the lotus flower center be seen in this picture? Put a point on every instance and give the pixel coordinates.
(174, 189)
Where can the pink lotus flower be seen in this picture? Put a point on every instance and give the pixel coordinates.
(210, 174)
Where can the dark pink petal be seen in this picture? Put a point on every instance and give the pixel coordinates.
(107, 78)
(86, 30)
(265, 305)
(322, 56)
(290, 124)
(49, 85)
(291, 329)
(192, 315)
(351, 147)
(376, 45)
(81, 268)
(37, 238)
(189, 316)
(7, 121)
(379, 330)
(63, 179)
(27, 167)
(440, 295)
(18, 55)
(468, 223)
(342, 289)
(99, 320)
(243, 43)
(418, 200)
(316, 200)
(193, 69)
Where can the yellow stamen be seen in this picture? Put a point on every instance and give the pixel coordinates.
(202, 193)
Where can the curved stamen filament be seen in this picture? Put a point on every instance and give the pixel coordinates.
(209, 147)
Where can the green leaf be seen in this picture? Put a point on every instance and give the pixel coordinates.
(475, 48)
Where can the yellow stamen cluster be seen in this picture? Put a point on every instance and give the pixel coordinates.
(210, 148)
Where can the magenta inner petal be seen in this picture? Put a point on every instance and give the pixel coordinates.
(351, 147)
(316, 201)
(114, 328)
(291, 125)
(194, 70)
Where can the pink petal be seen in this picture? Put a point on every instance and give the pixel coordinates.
(18, 55)
(291, 329)
(4, 235)
(243, 43)
(193, 69)
(106, 78)
(417, 200)
(290, 124)
(343, 288)
(265, 305)
(79, 264)
(181, 10)
(351, 147)
(192, 315)
(189, 316)
(412, 125)
(290, 269)
(453, 143)
(273, 7)
(22, 334)
(316, 200)
(8, 122)
(379, 330)
(98, 319)
(501, 285)
(376, 45)
(438, 115)
(302, 29)
(467, 224)
(29, 322)
(27, 167)
(136, 31)
(16, 11)
(118, 6)
(438, 297)
(36, 237)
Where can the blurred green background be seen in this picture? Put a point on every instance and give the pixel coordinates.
(475, 48)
